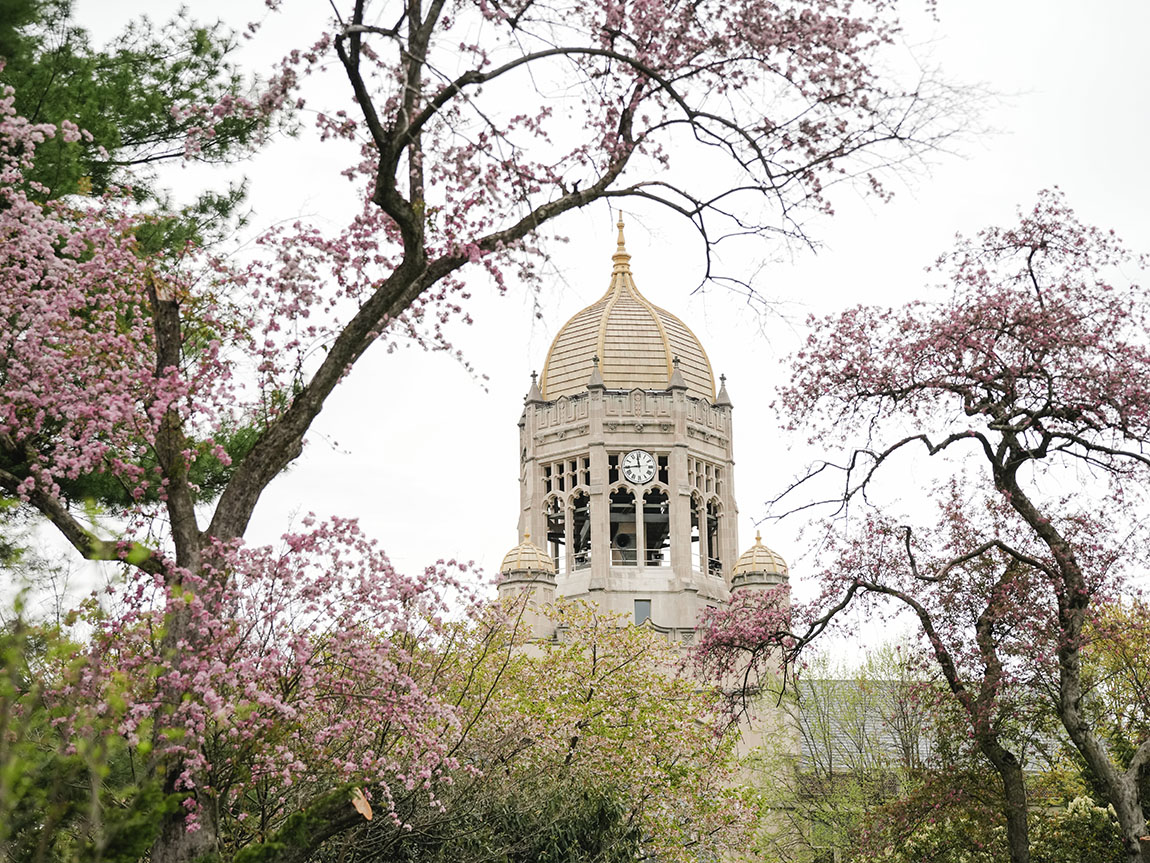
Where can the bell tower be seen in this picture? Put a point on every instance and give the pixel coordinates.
(626, 463)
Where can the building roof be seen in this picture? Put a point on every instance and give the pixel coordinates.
(847, 725)
(636, 343)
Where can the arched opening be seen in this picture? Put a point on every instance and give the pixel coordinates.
(580, 530)
(698, 550)
(657, 528)
(714, 555)
(557, 533)
(623, 551)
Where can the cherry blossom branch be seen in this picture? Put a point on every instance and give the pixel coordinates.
(90, 546)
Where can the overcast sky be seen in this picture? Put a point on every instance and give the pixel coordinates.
(426, 456)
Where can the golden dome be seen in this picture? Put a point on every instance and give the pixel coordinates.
(759, 559)
(527, 557)
(635, 341)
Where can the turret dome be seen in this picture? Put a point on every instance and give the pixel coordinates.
(636, 342)
(527, 557)
(759, 564)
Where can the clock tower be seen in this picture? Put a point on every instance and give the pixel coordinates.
(626, 466)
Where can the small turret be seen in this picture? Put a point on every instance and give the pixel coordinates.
(759, 567)
(527, 569)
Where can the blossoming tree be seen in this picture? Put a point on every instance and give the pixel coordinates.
(1027, 381)
(479, 125)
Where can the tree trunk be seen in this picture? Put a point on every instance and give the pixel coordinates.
(175, 843)
(1121, 787)
(1074, 596)
(1014, 790)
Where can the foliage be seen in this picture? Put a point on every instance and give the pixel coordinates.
(1116, 677)
(63, 799)
(1077, 832)
(1081, 831)
(865, 736)
(615, 712)
(589, 748)
(131, 98)
(120, 96)
(129, 352)
(208, 471)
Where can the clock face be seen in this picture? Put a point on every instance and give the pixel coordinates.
(639, 466)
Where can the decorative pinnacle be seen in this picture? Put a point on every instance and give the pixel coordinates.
(527, 536)
(596, 380)
(621, 257)
(758, 537)
(723, 398)
(533, 394)
(675, 361)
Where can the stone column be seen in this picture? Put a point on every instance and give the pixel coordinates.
(729, 538)
(600, 505)
(679, 491)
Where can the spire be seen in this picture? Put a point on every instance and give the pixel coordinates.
(621, 258)
(533, 394)
(676, 382)
(723, 399)
(596, 382)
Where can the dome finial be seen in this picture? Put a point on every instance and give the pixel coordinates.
(621, 257)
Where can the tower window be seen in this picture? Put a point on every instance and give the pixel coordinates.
(557, 534)
(580, 531)
(612, 469)
(642, 611)
(656, 528)
(623, 551)
(664, 473)
(714, 561)
(696, 536)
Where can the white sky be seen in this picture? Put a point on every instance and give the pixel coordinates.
(427, 459)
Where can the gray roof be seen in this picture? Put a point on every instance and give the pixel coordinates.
(847, 725)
